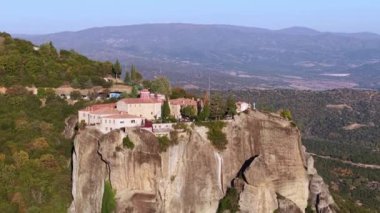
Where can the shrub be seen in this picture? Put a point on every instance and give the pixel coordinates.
(215, 134)
(229, 202)
(75, 95)
(108, 201)
(164, 143)
(128, 143)
(286, 114)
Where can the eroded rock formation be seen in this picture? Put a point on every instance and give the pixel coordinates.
(263, 159)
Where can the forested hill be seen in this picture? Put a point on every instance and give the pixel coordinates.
(23, 63)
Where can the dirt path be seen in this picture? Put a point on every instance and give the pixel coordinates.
(362, 165)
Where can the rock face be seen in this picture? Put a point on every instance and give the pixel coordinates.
(263, 160)
(70, 124)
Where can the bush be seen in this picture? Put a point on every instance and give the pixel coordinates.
(286, 114)
(108, 201)
(229, 202)
(75, 95)
(128, 143)
(164, 143)
(215, 134)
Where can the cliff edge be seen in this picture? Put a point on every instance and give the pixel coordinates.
(264, 163)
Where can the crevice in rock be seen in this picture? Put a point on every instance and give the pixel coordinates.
(244, 167)
(105, 161)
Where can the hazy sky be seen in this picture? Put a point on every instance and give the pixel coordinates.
(45, 16)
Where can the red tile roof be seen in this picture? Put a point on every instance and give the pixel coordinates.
(105, 112)
(141, 101)
(99, 107)
(183, 102)
(122, 116)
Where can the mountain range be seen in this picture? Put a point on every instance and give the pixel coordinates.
(233, 57)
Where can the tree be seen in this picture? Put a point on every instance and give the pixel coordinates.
(134, 92)
(178, 92)
(146, 83)
(230, 106)
(127, 78)
(165, 110)
(116, 69)
(108, 201)
(204, 113)
(161, 85)
(188, 112)
(217, 107)
(75, 95)
(136, 77)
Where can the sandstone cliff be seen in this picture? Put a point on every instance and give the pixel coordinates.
(264, 161)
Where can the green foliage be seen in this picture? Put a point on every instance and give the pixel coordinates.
(189, 112)
(217, 107)
(128, 143)
(136, 76)
(127, 78)
(204, 113)
(349, 184)
(34, 156)
(116, 69)
(164, 143)
(215, 134)
(165, 111)
(161, 85)
(285, 113)
(230, 202)
(108, 201)
(230, 106)
(75, 95)
(178, 92)
(21, 64)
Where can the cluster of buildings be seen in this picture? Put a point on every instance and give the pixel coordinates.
(133, 112)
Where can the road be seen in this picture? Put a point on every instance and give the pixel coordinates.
(362, 165)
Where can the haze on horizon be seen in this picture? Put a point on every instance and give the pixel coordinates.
(44, 16)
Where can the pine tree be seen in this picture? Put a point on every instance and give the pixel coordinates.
(127, 78)
(230, 106)
(136, 77)
(165, 110)
(116, 69)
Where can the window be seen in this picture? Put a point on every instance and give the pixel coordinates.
(121, 122)
(113, 121)
(106, 128)
(133, 121)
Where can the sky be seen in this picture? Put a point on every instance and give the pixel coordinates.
(48, 16)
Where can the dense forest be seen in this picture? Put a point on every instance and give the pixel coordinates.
(22, 63)
(323, 117)
(34, 156)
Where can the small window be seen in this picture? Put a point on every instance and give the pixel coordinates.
(106, 128)
(121, 122)
(133, 121)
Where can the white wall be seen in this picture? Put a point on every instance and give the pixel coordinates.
(109, 124)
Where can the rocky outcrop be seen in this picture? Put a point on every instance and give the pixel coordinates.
(263, 159)
(320, 198)
(89, 172)
(70, 124)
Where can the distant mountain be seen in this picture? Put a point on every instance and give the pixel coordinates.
(235, 57)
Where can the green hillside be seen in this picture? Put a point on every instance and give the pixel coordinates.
(22, 63)
(35, 158)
